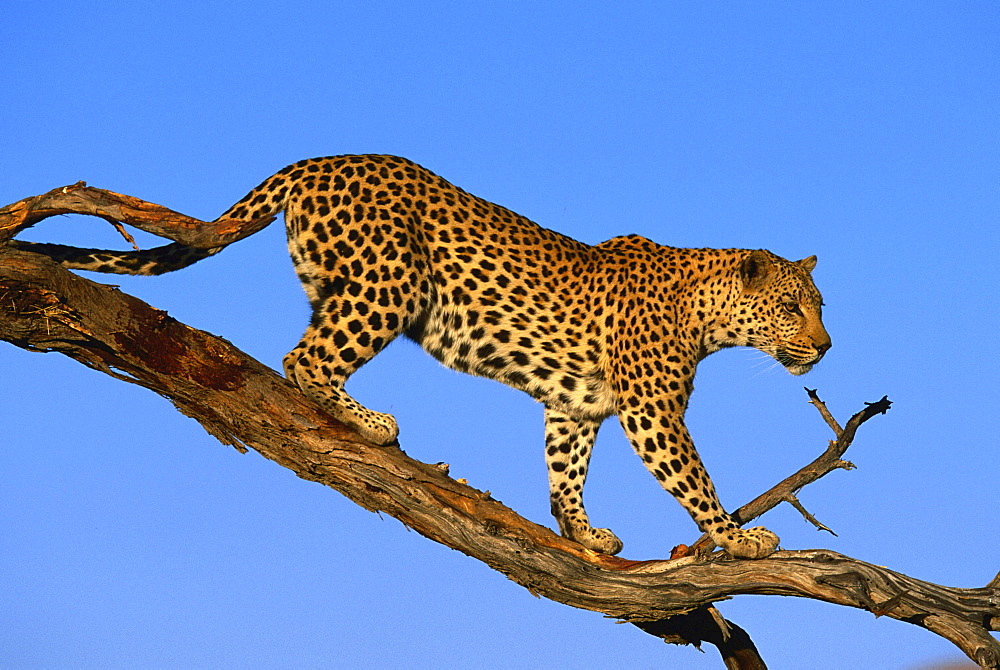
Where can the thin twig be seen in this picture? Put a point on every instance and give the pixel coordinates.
(797, 504)
(121, 231)
(827, 416)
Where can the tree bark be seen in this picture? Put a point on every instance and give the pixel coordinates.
(247, 405)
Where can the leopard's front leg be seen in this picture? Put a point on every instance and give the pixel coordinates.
(663, 443)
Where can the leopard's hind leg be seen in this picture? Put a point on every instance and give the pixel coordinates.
(568, 444)
(343, 336)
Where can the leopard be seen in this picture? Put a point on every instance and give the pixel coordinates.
(384, 247)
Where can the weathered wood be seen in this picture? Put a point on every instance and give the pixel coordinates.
(247, 405)
(114, 207)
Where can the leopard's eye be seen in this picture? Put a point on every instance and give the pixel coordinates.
(792, 307)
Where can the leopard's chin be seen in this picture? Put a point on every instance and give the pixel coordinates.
(799, 369)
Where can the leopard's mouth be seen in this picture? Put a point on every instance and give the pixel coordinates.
(794, 365)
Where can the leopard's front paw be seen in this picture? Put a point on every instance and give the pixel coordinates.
(757, 542)
(601, 540)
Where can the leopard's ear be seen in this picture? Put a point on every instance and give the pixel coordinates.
(755, 269)
(807, 264)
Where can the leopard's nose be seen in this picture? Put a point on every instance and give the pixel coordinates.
(823, 347)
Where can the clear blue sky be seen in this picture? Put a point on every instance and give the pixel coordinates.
(863, 132)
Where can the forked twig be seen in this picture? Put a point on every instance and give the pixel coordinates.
(829, 460)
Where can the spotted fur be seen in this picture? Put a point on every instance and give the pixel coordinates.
(385, 248)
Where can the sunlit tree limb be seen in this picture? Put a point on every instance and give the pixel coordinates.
(118, 208)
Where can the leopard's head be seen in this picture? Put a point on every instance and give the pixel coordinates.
(778, 310)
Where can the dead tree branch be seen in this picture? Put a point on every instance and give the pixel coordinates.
(117, 208)
(243, 403)
(830, 460)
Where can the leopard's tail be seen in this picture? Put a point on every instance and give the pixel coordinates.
(155, 261)
(265, 201)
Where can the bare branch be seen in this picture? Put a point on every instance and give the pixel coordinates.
(828, 461)
(707, 624)
(797, 504)
(827, 416)
(116, 208)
